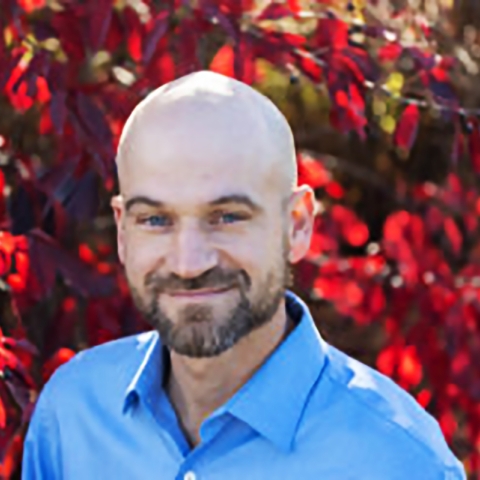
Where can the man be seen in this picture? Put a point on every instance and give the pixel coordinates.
(234, 382)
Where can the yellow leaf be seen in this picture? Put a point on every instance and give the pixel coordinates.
(394, 83)
(388, 124)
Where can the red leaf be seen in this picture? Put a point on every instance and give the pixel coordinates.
(244, 61)
(9, 68)
(439, 74)
(357, 235)
(424, 397)
(312, 172)
(10, 360)
(115, 33)
(235, 8)
(434, 219)
(274, 11)
(67, 26)
(86, 254)
(62, 356)
(331, 32)
(223, 61)
(22, 263)
(7, 242)
(387, 359)
(376, 301)
(161, 68)
(389, 52)
(11, 457)
(407, 127)
(16, 282)
(309, 67)
(410, 368)
(134, 34)
(31, 5)
(335, 190)
(186, 43)
(353, 294)
(453, 234)
(294, 6)
(448, 424)
(3, 414)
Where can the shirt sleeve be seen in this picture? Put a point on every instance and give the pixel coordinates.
(41, 450)
(455, 474)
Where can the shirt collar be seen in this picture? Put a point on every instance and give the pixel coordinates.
(147, 380)
(273, 400)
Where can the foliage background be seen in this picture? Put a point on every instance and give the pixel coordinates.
(383, 99)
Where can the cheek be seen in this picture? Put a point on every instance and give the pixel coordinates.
(141, 254)
(258, 255)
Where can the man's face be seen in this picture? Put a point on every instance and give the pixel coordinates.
(202, 234)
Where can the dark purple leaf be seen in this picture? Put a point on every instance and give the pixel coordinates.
(21, 344)
(458, 149)
(19, 390)
(154, 36)
(99, 22)
(58, 110)
(43, 273)
(368, 67)
(423, 60)
(43, 31)
(53, 180)
(82, 203)
(47, 255)
(230, 28)
(474, 147)
(56, 77)
(93, 120)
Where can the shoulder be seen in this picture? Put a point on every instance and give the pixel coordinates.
(110, 365)
(377, 417)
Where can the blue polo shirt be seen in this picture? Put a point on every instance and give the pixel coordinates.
(310, 412)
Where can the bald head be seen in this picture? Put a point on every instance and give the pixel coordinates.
(209, 200)
(206, 114)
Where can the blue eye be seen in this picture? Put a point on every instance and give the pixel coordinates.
(155, 221)
(231, 217)
(228, 218)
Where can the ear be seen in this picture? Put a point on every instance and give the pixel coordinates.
(118, 211)
(302, 216)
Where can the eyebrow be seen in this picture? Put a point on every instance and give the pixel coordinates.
(225, 199)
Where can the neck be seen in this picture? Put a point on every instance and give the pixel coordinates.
(198, 386)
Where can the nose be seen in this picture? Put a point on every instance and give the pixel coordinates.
(191, 253)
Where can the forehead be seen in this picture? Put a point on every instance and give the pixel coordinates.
(193, 162)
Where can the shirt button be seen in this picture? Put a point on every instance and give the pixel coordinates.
(190, 476)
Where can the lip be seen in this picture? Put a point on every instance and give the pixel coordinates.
(197, 293)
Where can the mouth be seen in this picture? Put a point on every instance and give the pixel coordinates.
(198, 294)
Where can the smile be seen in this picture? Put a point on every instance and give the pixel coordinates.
(197, 294)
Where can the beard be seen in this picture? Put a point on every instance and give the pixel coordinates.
(198, 333)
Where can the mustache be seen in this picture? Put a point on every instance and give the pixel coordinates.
(212, 279)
